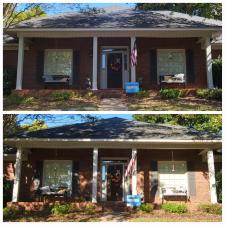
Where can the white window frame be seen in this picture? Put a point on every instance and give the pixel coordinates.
(58, 162)
(169, 51)
(186, 175)
(59, 50)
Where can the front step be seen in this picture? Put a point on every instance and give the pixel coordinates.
(111, 93)
(114, 206)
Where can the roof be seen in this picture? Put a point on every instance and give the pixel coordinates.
(7, 39)
(118, 128)
(121, 18)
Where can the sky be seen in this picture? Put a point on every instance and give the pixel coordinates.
(62, 7)
(63, 119)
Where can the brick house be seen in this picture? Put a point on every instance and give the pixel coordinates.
(174, 49)
(91, 160)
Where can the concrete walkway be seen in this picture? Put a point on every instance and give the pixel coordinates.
(113, 104)
(115, 216)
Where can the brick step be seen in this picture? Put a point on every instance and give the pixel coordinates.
(118, 93)
(114, 206)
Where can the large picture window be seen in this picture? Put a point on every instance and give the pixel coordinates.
(172, 174)
(171, 65)
(57, 173)
(58, 62)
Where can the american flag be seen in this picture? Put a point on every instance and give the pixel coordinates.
(133, 57)
(131, 166)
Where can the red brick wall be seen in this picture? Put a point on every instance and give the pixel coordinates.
(84, 158)
(145, 44)
(10, 59)
(216, 53)
(202, 183)
(84, 45)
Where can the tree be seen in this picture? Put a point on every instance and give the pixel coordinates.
(13, 14)
(201, 122)
(36, 125)
(208, 10)
(13, 123)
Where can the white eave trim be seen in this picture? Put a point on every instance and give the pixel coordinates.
(112, 29)
(109, 140)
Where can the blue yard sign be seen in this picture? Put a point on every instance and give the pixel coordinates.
(133, 200)
(132, 87)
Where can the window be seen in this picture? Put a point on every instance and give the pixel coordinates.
(171, 65)
(58, 62)
(172, 174)
(57, 173)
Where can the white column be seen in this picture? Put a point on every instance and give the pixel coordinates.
(208, 52)
(18, 166)
(212, 179)
(133, 68)
(95, 175)
(19, 76)
(134, 175)
(95, 63)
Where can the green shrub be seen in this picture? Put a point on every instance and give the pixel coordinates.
(219, 185)
(217, 72)
(213, 94)
(90, 94)
(146, 207)
(90, 209)
(7, 191)
(211, 208)
(61, 209)
(15, 99)
(12, 212)
(61, 96)
(169, 93)
(174, 208)
(142, 94)
(9, 80)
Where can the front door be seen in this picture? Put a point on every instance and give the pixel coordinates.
(114, 70)
(115, 182)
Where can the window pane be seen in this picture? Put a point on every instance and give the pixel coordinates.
(172, 174)
(103, 61)
(57, 173)
(171, 62)
(58, 62)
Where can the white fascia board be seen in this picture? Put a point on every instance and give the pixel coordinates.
(110, 140)
(111, 29)
(108, 32)
(113, 143)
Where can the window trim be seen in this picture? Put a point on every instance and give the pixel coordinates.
(59, 50)
(182, 50)
(58, 162)
(186, 174)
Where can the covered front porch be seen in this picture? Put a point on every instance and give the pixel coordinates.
(98, 173)
(102, 59)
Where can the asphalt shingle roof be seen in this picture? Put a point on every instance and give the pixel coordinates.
(121, 18)
(118, 128)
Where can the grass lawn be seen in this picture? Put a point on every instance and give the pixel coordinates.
(155, 216)
(180, 104)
